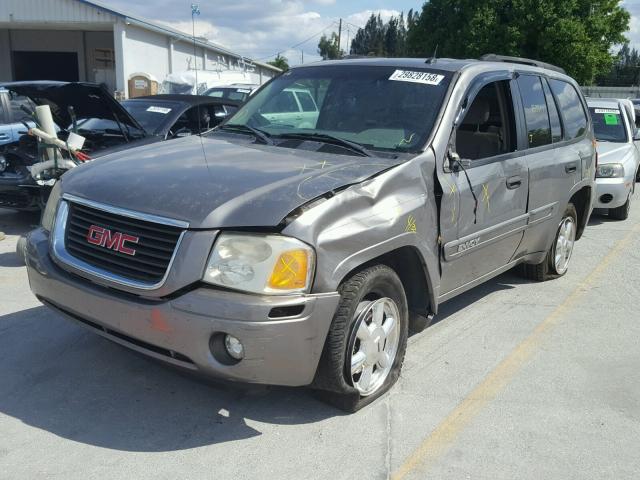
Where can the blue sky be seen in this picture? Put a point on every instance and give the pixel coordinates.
(262, 29)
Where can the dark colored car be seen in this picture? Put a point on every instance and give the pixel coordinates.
(171, 116)
(107, 125)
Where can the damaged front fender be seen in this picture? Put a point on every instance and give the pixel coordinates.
(372, 219)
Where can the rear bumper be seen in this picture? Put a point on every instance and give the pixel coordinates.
(612, 192)
(278, 351)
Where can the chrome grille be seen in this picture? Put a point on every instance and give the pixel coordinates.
(153, 251)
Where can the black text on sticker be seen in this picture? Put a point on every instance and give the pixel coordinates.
(425, 78)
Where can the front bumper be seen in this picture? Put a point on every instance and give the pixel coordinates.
(19, 192)
(612, 192)
(278, 351)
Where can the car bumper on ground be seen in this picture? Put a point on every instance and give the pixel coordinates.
(282, 336)
(612, 192)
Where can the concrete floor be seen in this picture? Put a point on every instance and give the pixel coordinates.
(515, 380)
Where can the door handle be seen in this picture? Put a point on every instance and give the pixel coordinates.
(514, 182)
(571, 167)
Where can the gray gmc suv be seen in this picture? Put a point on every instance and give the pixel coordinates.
(292, 253)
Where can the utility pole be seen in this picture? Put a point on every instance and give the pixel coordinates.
(339, 36)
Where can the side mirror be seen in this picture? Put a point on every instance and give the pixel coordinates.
(455, 163)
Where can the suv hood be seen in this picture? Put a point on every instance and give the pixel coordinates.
(236, 186)
(89, 100)
(613, 152)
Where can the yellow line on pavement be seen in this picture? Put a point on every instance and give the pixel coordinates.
(438, 443)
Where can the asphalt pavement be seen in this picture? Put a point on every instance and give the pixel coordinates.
(514, 380)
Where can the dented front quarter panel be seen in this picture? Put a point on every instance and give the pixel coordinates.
(392, 210)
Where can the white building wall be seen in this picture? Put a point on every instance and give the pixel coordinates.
(142, 51)
(183, 57)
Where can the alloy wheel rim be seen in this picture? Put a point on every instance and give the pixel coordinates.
(564, 245)
(373, 345)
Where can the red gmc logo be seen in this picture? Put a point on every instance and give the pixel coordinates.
(116, 241)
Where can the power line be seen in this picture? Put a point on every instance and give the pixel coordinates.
(301, 43)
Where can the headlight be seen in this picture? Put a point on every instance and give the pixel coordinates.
(610, 170)
(49, 215)
(266, 264)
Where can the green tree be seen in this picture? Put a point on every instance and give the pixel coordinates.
(577, 35)
(625, 71)
(328, 47)
(280, 62)
(381, 39)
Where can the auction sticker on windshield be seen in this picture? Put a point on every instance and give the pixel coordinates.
(607, 110)
(425, 78)
(163, 110)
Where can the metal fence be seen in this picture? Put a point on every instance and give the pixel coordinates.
(612, 92)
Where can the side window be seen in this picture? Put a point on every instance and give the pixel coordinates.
(307, 103)
(488, 127)
(535, 110)
(575, 118)
(554, 115)
(284, 102)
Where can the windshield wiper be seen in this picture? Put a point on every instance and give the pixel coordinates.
(330, 139)
(259, 134)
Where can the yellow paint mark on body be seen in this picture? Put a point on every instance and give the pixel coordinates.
(486, 196)
(442, 438)
(411, 224)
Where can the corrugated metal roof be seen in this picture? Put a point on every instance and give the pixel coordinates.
(70, 12)
(47, 11)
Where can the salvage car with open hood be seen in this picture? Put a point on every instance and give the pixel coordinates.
(276, 251)
(106, 125)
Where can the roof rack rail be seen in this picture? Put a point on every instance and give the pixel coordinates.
(492, 57)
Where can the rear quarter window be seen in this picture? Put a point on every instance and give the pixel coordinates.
(535, 110)
(572, 111)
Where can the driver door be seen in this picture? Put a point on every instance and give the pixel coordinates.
(484, 206)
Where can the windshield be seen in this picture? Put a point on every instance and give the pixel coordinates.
(105, 126)
(176, 88)
(608, 124)
(151, 115)
(378, 107)
(240, 94)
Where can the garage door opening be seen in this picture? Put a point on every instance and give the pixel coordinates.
(46, 66)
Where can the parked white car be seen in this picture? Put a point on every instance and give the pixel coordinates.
(293, 107)
(618, 156)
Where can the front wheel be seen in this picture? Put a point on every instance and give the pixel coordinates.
(556, 262)
(365, 347)
(622, 212)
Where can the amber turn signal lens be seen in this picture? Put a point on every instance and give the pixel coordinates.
(290, 271)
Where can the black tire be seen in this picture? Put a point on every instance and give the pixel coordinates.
(622, 212)
(21, 248)
(545, 270)
(331, 377)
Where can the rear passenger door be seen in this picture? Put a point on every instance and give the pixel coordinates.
(492, 196)
(557, 158)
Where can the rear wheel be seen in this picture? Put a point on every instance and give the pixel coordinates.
(365, 347)
(556, 262)
(622, 212)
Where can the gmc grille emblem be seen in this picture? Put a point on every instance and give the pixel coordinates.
(117, 241)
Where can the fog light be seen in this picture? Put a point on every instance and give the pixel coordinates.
(234, 347)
